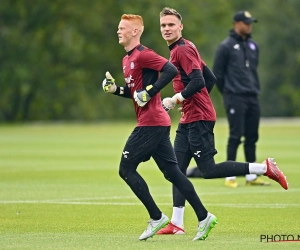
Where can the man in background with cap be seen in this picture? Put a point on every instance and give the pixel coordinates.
(235, 66)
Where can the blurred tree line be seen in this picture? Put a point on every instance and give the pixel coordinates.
(54, 54)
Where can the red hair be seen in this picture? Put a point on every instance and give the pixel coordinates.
(133, 18)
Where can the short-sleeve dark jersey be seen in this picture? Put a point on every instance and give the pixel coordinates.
(185, 56)
(141, 68)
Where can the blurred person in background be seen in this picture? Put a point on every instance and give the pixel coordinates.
(235, 66)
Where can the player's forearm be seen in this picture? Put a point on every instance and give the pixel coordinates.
(195, 85)
(168, 71)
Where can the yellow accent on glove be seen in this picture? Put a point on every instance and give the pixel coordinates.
(108, 84)
(109, 77)
(149, 87)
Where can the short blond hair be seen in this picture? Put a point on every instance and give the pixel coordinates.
(166, 11)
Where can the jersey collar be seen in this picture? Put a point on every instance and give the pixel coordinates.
(175, 43)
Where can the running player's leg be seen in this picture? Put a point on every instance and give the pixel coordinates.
(135, 152)
(165, 158)
(206, 220)
(209, 169)
(183, 163)
(176, 225)
(202, 144)
(183, 155)
(139, 147)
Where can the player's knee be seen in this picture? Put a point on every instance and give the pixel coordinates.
(125, 169)
(170, 172)
(122, 172)
(207, 174)
(167, 175)
(207, 168)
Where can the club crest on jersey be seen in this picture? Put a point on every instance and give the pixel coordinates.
(132, 65)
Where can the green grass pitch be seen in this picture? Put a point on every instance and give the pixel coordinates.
(60, 189)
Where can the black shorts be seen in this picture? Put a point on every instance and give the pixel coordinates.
(196, 139)
(147, 142)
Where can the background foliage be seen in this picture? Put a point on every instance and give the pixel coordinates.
(54, 54)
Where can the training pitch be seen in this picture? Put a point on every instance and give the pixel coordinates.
(60, 189)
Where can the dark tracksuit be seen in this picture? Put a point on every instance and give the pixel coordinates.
(235, 67)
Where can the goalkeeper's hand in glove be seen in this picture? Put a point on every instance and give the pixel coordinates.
(142, 97)
(108, 84)
(177, 98)
(168, 104)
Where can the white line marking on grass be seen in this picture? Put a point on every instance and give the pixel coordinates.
(239, 205)
(71, 202)
(107, 200)
(95, 198)
(242, 192)
(242, 205)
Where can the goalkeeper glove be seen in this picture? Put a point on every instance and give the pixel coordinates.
(142, 97)
(108, 84)
(177, 98)
(169, 103)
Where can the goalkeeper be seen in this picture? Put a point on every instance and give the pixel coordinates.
(195, 132)
(151, 136)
